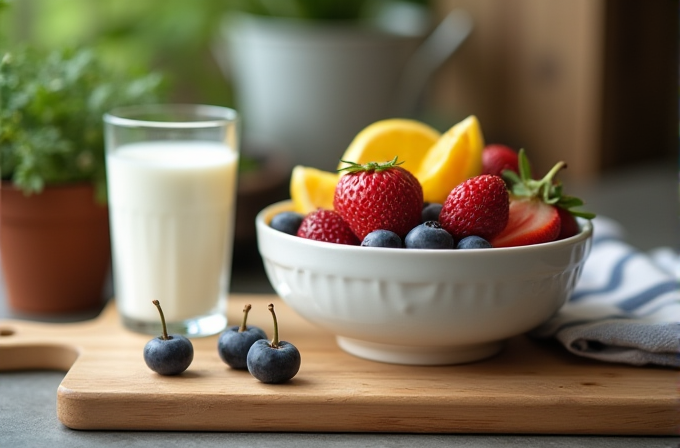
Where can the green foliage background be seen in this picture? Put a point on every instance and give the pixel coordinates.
(173, 36)
(69, 61)
(170, 36)
(137, 37)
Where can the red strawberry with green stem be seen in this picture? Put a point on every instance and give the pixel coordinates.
(328, 226)
(535, 207)
(497, 158)
(378, 196)
(477, 206)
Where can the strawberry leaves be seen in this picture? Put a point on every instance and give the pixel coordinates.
(548, 189)
(353, 167)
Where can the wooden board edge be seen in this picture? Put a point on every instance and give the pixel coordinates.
(97, 411)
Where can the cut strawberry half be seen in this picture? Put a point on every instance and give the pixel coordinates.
(536, 206)
(531, 221)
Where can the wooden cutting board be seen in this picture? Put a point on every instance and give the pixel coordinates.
(531, 387)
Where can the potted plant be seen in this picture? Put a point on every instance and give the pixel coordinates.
(54, 239)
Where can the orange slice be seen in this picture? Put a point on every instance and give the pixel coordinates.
(455, 157)
(311, 188)
(381, 141)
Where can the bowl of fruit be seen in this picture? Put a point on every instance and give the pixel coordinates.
(404, 270)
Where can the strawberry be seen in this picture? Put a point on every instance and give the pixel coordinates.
(378, 196)
(498, 158)
(569, 225)
(477, 206)
(532, 221)
(328, 226)
(535, 207)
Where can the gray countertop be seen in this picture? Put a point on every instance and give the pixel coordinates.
(644, 200)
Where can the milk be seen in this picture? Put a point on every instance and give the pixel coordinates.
(172, 209)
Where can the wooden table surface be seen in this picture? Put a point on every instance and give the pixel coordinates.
(532, 387)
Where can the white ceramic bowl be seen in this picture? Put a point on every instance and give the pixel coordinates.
(417, 306)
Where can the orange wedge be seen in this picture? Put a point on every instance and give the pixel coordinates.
(383, 140)
(455, 157)
(311, 188)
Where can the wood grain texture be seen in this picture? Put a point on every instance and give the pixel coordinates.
(531, 387)
(532, 72)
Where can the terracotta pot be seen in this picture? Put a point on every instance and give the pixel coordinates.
(55, 249)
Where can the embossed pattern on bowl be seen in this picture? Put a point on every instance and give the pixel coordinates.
(421, 306)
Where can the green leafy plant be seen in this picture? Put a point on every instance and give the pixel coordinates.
(314, 9)
(305, 9)
(51, 107)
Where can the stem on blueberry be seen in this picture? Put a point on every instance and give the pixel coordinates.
(275, 339)
(160, 311)
(243, 327)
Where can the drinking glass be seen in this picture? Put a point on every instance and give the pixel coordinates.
(171, 176)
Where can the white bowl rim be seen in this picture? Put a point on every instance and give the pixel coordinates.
(262, 223)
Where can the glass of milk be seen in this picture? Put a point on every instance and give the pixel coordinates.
(171, 175)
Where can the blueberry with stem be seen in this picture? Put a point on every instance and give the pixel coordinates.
(275, 361)
(168, 354)
(234, 342)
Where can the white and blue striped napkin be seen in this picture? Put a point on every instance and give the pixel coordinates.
(626, 305)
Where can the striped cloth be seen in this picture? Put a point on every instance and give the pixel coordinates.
(626, 306)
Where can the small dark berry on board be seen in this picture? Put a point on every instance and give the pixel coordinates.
(234, 342)
(168, 354)
(275, 361)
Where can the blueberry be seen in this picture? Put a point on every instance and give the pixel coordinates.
(234, 342)
(382, 238)
(168, 354)
(473, 242)
(431, 212)
(275, 361)
(287, 222)
(429, 235)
